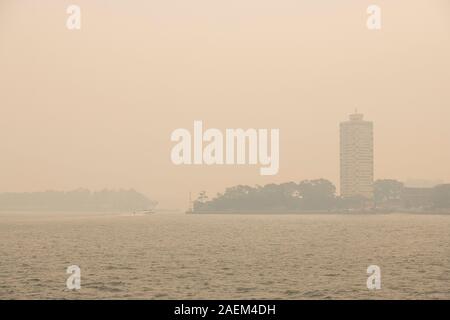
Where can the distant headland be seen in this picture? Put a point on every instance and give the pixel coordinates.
(319, 196)
(76, 200)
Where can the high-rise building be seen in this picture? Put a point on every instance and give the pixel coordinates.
(356, 156)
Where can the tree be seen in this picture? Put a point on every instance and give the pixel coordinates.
(317, 194)
(307, 195)
(202, 197)
(387, 190)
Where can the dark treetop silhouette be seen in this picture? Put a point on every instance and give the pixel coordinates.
(320, 195)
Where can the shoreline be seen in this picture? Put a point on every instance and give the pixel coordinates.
(318, 212)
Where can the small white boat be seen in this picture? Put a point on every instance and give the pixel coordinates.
(149, 211)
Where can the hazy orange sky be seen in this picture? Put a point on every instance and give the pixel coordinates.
(95, 108)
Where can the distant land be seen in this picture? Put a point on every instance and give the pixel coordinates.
(307, 196)
(319, 196)
(76, 200)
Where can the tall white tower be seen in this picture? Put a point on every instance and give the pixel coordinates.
(356, 145)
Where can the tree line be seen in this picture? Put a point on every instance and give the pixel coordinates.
(310, 195)
(77, 200)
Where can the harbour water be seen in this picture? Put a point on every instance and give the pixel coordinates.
(181, 256)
